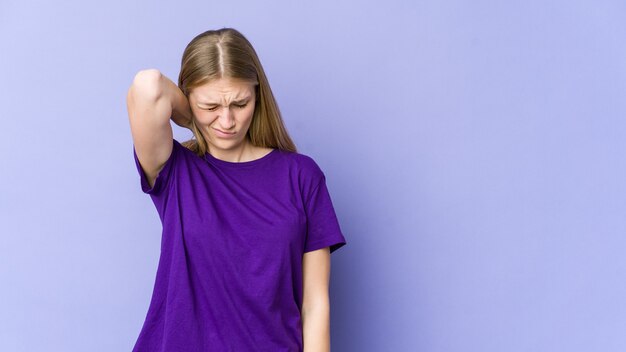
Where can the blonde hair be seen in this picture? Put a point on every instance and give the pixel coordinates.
(226, 53)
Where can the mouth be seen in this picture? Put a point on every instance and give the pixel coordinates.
(223, 134)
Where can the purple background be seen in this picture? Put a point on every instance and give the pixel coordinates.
(474, 151)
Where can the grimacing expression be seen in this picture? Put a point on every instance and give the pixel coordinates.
(223, 110)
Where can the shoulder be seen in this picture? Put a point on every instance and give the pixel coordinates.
(305, 168)
(187, 149)
(190, 145)
(304, 162)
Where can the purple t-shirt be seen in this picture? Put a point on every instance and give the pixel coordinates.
(229, 276)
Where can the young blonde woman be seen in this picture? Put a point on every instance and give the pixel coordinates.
(248, 222)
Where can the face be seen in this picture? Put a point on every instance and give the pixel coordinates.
(223, 110)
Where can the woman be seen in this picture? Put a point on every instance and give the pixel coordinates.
(248, 223)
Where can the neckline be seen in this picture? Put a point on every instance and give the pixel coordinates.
(233, 164)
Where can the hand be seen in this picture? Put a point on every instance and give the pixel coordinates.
(181, 110)
(182, 123)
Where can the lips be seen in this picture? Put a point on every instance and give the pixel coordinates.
(221, 133)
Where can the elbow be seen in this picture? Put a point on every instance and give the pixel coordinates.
(147, 84)
(320, 303)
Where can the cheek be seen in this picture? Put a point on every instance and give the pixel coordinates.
(249, 113)
(202, 117)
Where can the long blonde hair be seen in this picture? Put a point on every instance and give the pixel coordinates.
(226, 53)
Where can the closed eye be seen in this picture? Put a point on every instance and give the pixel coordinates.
(241, 106)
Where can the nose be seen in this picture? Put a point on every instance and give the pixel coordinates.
(226, 120)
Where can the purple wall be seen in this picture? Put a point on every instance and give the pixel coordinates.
(474, 152)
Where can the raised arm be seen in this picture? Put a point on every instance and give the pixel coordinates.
(152, 100)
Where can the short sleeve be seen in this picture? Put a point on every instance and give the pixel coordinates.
(322, 225)
(163, 177)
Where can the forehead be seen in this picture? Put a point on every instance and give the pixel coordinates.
(223, 89)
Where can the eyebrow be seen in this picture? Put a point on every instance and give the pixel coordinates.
(242, 100)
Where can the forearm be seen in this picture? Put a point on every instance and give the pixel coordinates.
(181, 112)
(316, 327)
